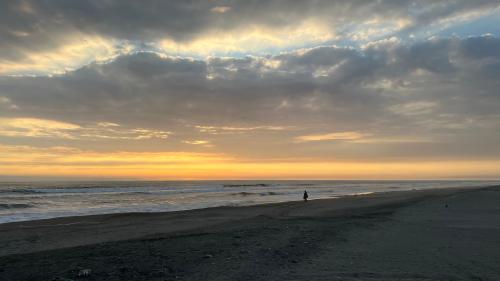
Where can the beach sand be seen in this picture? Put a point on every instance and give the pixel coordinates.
(443, 234)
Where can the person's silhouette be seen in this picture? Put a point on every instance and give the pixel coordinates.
(305, 196)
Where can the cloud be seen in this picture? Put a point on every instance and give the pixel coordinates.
(337, 136)
(38, 128)
(249, 39)
(232, 130)
(203, 143)
(107, 124)
(32, 127)
(220, 9)
(197, 142)
(264, 81)
(6, 102)
(483, 47)
(442, 90)
(414, 108)
(74, 52)
(47, 37)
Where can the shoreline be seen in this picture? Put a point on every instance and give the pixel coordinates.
(335, 197)
(438, 234)
(76, 217)
(42, 206)
(189, 220)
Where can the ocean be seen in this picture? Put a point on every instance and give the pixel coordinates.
(42, 200)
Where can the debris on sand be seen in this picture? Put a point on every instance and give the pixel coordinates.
(84, 272)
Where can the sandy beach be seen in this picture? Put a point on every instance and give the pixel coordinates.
(442, 234)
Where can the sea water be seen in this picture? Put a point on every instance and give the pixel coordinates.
(41, 200)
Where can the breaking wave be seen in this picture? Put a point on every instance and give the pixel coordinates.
(255, 194)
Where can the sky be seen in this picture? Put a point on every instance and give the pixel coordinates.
(250, 89)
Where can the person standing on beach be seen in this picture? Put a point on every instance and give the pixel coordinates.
(305, 196)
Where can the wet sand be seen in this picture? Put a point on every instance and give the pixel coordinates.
(445, 234)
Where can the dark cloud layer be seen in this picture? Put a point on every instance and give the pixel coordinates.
(28, 27)
(432, 99)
